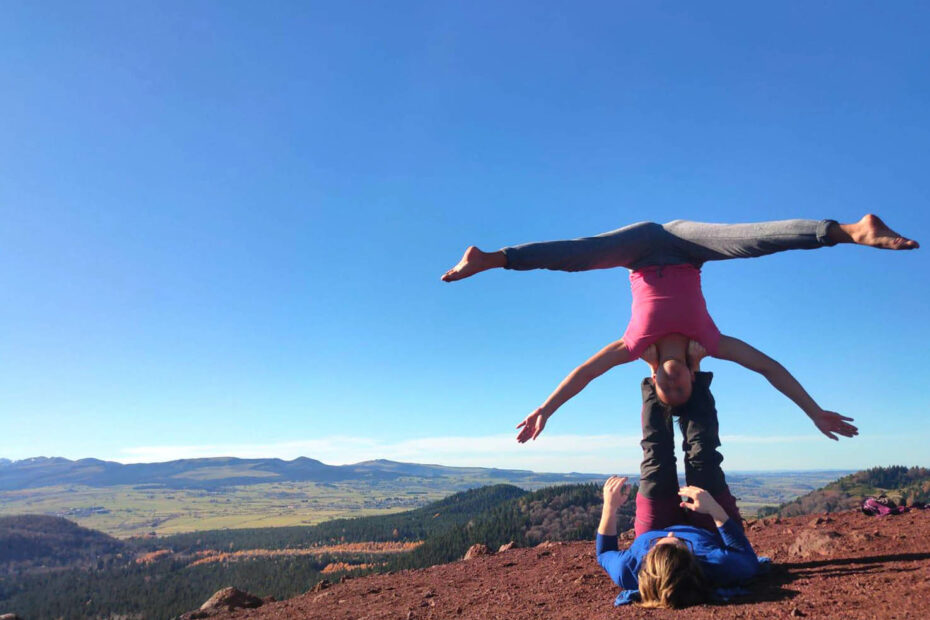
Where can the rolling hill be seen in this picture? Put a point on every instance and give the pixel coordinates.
(42, 543)
(905, 485)
(442, 531)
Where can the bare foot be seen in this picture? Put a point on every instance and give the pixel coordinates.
(872, 231)
(474, 261)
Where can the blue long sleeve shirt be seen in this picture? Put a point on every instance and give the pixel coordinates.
(725, 555)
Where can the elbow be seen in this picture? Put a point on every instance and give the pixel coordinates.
(771, 369)
(583, 375)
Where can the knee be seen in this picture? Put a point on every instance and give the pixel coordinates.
(658, 454)
(657, 429)
(700, 453)
(657, 477)
(699, 434)
(657, 444)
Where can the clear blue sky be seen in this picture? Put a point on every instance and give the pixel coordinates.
(222, 225)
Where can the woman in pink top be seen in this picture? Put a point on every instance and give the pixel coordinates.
(670, 327)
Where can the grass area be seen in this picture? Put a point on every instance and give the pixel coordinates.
(217, 473)
(757, 490)
(125, 511)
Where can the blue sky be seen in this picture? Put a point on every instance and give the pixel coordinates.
(223, 224)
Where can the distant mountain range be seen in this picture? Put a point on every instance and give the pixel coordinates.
(212, 473)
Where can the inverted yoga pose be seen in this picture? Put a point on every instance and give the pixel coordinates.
(685, 552)
(669, 316)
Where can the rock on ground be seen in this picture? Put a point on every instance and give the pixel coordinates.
(477, 550)
(227, 599)
(815, 542)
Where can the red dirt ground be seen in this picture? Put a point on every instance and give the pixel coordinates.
(871, 567)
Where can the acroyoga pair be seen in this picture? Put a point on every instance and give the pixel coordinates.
(692, 550)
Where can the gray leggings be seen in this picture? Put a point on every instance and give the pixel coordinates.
(679, 242)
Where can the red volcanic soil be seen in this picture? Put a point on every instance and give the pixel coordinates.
(842, 565)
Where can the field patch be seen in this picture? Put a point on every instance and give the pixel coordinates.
(363, 548)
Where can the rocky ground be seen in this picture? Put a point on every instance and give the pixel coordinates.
(843, 565)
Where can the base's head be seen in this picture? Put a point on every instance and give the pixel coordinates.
(673, 380)
(671, 577)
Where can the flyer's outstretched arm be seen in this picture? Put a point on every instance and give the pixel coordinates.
(612, 355)
(829, 423)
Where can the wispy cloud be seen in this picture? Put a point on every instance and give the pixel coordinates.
(486, 451)
(753, 439)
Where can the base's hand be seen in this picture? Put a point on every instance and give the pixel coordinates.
(651, 356)
(696, 352)
(830, 422)
(616, 492)
(533, 425)
(701, 501)
(704, 503)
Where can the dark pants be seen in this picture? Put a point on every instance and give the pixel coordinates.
(658, 502)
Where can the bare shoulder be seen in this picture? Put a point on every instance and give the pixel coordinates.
(735, 350)
(616, 346)
(730, 347)
(614, 353)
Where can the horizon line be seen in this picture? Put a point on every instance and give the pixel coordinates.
(573, 473)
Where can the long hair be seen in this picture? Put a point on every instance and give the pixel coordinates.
(671, 577)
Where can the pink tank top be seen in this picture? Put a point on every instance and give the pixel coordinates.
(668, 300)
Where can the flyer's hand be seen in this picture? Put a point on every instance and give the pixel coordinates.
(830, 422)
(696, 351)
(533, 425)
(651, 356)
